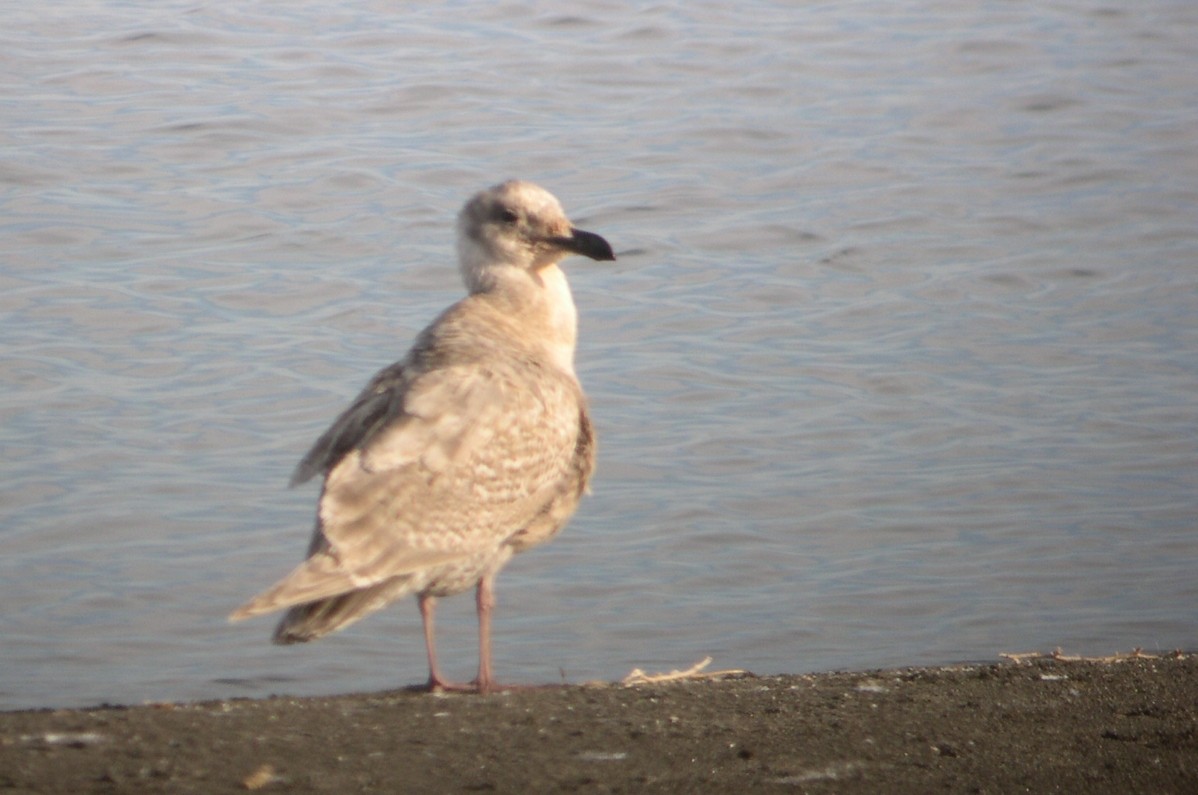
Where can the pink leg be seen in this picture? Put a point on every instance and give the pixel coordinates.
(485, 600)
(428, 607)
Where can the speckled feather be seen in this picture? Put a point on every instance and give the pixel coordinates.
(474, 447)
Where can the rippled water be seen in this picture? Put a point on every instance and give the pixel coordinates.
(898, 363)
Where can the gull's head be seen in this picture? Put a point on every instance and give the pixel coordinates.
(518, 224)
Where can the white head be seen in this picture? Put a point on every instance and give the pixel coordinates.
(518, 225)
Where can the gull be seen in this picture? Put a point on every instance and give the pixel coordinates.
(475, 446)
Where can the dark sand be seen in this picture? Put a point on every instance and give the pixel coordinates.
(1043, 726)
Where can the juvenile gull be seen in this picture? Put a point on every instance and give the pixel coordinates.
(476, 446)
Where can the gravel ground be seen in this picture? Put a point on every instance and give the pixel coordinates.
(1039, 726)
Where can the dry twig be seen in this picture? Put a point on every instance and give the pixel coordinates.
(1137, 653)
(639, 677)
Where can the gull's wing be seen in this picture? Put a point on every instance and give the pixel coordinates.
(425, 471)
(379, 402)
(472, 459)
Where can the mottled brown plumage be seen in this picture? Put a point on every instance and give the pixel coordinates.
(476, 446)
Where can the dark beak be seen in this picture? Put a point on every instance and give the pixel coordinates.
(588, 244)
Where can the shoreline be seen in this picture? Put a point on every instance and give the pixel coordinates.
(1125, 724)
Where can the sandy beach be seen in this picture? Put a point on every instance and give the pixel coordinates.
(1036, 725)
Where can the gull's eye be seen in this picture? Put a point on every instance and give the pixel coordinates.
(507, 216)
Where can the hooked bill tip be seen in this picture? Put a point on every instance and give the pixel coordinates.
(587, 244)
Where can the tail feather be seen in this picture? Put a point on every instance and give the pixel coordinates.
(323, 577)
(316, 619)
(316, 578)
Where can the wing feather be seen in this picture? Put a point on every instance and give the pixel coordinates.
(439, 463)
(471, 459)
(377, 404)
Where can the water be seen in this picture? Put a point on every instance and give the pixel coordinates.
(898, 363)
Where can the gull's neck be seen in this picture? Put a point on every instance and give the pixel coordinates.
(539, 301)
(563, 317)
